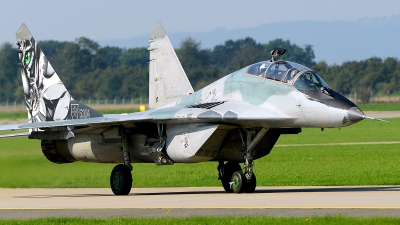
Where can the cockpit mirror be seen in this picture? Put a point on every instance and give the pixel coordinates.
(277, 52)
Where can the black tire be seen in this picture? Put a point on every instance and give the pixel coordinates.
(238, 182)
(229, 169)
(250, 186)
(121, 180)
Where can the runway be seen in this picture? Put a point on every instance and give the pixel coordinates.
(357, 201)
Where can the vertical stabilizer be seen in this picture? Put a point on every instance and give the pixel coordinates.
(167, 79)
(46, 97)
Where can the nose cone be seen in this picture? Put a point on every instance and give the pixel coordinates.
(355, 114)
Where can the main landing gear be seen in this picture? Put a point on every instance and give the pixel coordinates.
(121, 180)
(121, 177)
(230, 173)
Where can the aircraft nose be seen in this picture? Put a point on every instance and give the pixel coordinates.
(355, 114)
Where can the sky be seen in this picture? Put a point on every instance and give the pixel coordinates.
(105, 20)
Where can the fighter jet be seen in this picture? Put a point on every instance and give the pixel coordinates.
(236, 119)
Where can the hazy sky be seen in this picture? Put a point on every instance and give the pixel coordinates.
(104, 20)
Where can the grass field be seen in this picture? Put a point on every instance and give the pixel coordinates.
(331, 220)
(23, 165)
(380, 106)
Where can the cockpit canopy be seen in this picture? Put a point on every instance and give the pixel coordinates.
(310, 81)
(285, 71)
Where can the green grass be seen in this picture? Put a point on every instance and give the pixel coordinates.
(380, 106)
(331, 220)
(23, 164)
(12, 115)
(116, 111)
(364, 131)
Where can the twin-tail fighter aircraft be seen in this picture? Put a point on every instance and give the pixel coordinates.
(238, 118)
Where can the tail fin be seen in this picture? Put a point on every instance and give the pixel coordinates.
(168, 80)
(46, 97)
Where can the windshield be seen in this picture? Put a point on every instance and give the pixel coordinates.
(279, 70)
(310, 81)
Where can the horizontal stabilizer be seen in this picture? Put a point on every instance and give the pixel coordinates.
(24, 134)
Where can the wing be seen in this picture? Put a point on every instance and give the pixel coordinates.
(239, 113)
(113, 119)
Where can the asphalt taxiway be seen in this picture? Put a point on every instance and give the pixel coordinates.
(360, 201)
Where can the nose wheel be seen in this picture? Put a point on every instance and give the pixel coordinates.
(239, 183)
(231, 175)
(225, 173)
(233, 180)
(250, 185)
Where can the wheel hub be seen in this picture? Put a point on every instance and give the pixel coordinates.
(117, 180)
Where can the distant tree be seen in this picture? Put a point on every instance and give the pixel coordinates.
(51, 48)
(107, 56)
(72, 63)
(134, 57)
(87, 44)
(8, 71)
(191, 55)
(227, 56)
(91, 71)
(249, 54)
(194, 60)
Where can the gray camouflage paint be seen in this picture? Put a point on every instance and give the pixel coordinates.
(195, 131)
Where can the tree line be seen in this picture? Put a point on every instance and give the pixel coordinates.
(91, 71)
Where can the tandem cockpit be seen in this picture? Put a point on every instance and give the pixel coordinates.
(304, 80)
(301, 77)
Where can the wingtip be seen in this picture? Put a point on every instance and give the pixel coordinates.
(158, 31)
(23, 33)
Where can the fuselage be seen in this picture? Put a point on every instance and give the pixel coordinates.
(293, 94)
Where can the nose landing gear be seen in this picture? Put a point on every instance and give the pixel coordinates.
(233, 179)
(231, 175)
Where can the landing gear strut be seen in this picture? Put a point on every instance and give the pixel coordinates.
(231, 175)
(248, 155)
(121, 177)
